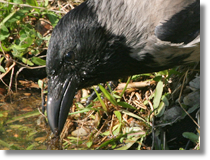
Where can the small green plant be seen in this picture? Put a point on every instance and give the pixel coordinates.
(20, 35)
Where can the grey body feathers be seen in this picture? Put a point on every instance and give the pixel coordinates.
(137, 20)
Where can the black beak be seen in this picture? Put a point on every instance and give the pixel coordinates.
(58, 105)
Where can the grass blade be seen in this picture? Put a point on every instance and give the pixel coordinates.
(27, 115)
(108, 95)
(101, 101)
(125, 86)
(82, 111)
(126, 105)
(134, 115)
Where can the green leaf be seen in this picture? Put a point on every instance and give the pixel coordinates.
(110, 141)
(7, 18)
(82, 111)
(157, 78)
(53, 18)
(158, 94)
(173, 72)
(161, 108)
(133, 115)
(4, 32)
(5, 144)
(38, 61)
(89, 144)
(40, 83)
(126, 86)
(26, 43)
(46, 3)
(164, 73)
(101, 101)
(108, 95)
(2, 69)
(117, 130)
(31, 147)
(18, 1)
(26, 61)
(191, 136)
(32, 2)
(17, 50)
(18, 15)
(128, 145)
(125, 105)
(118, 114)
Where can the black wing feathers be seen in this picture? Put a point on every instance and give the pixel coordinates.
(182, 27)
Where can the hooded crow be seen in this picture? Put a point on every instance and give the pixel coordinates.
(102, 40)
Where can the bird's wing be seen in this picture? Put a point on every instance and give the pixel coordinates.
(158, 28)
(183, 26)
(170, 20)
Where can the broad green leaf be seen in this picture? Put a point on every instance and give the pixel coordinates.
(158, 94)
(26, 43)
(157, 78)
(26, 61)
(191, 136)
(173, 72)
(161, 108)
(89, 144)
(17, 50)
(53, 18)
(118, 114)
(165, 73)
(117, 130)
(2, 69)
(4, 32)
(40, 83)
(46, 3)
(38, 61)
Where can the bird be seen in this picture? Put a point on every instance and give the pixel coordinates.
(103, 40)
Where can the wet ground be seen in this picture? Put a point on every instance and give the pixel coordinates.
(21, 123)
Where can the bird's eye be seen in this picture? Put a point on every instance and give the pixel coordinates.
(69, 56)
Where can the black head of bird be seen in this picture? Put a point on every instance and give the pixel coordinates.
(103, 40)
